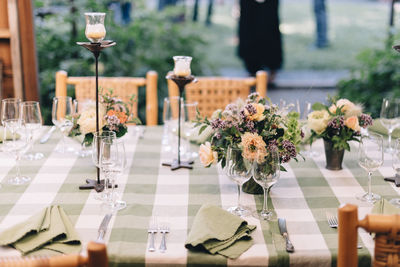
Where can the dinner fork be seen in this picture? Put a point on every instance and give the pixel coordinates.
(152, 231)
(164, 229)
(334, 223)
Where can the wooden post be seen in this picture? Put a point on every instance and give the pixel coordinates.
(348, 223)
(151, 98)
(13, 22)
(261, 83)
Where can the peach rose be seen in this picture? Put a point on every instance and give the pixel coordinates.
(207, 155)
(332, 109)
(254, 146)
(352, 123)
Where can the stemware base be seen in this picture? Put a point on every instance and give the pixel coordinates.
(268, 215)
(310, 153)
(370, 198)
(389, 150)
(33, 156)
(19, 180)
(240, 211)
(395, 202)
(64, 150)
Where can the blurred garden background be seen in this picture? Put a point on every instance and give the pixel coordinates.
(359, 64)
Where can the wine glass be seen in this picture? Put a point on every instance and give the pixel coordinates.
(16, 147)
(62, 115)
(98, 138)
(113, 163)
(390, 118)
(170, 116)
(30, 113)
(306, 130)
(239, 170)
(266, 171)
(396, 168)
(10, 108)
(370, 158)
(189, 130)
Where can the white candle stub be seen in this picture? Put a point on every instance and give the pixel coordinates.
(182, 68)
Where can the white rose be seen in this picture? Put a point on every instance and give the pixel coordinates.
(87, 121)
(318, 120)
(345, 104)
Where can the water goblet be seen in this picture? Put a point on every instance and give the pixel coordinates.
(31, 115)
(370, 158)
(396, 168)
(10, 108)
(390, 118)
(113, 163)
(239, 170)
(62, 116)
(189, 130)
(306, 129)
(266, 172)
(16, 146)
(170, 116)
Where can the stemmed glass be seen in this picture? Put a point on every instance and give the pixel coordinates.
(390, 118)
(188, 127)
(170, 116)
(10, 108)
(31, 115)
(98, 138)
(62, 115)
(113, 163)
(303, 121)
(17, 147)
(266, 172)
(396, 168)
(370, 158)
(239, 170)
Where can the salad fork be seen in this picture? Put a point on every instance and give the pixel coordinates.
(333, 223)
(152, 231)
(164, 229)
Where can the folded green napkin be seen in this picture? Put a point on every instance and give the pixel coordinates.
(218, 231)
(384, 207)
(379, 128)
(45, 232)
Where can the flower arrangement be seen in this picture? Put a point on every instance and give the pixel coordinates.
(254, 125)
(339, 123)
(114, 114)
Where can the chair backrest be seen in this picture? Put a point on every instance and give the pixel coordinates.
(387, 237)
(214, 93)
(123, 87)
(96, 257)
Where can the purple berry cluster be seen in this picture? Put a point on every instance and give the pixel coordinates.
(289, 151)
(336, 123)
(365, 120)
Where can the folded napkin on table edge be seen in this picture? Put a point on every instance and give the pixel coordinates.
(48, 232)
(377, 127)
(384, 207)
(219, 232)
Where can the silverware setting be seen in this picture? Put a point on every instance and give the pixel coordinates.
(153, 229)
(103, 227)
(334, 223)
(164, 229)
(47, 135)
(284, 233)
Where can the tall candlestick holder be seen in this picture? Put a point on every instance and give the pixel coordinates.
(181, 82)
(96, 48)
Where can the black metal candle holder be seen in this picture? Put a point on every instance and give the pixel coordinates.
(96, 48)
(181, 82)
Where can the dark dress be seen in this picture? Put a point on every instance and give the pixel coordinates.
(260, 42)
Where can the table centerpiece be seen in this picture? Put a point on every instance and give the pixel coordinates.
(337, 124)
(257, 127)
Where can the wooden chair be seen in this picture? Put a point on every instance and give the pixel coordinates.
(387, 237)
(214, 93)
(96, 257)
(123, 87)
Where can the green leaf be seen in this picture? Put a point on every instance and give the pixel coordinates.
(202, 129)
(318, 106)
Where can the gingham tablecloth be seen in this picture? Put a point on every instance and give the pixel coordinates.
(303, 195)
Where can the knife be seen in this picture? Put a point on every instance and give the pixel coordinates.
(103, 227)
(47, 135)
(284, 233)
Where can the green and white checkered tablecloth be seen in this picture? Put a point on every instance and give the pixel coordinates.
(303, 194)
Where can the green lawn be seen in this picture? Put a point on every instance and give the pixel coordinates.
(353, 26)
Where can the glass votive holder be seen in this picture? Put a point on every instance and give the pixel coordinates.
(95, 30)
(182, 66)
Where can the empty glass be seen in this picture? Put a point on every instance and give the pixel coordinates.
(239, 170)
(370, 158)
(30, 113)
(189, 131)
(113, 163)
(170, 116)
(390, 118)
(62, 115)
(10, 108)
(266, 171)
(396, 168)
(16, 146)
(306, 130)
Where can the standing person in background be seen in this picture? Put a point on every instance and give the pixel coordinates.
(321, 24)
(209, 11)
(164, 3)
(260, 41)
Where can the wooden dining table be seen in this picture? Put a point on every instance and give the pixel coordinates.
(303, 195)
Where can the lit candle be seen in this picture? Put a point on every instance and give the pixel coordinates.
(95, 30)
(182, 66)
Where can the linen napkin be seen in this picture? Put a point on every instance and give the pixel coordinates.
(8, 134)
(384, 207)
(219, 232)
(379, 128)
(50, 230)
